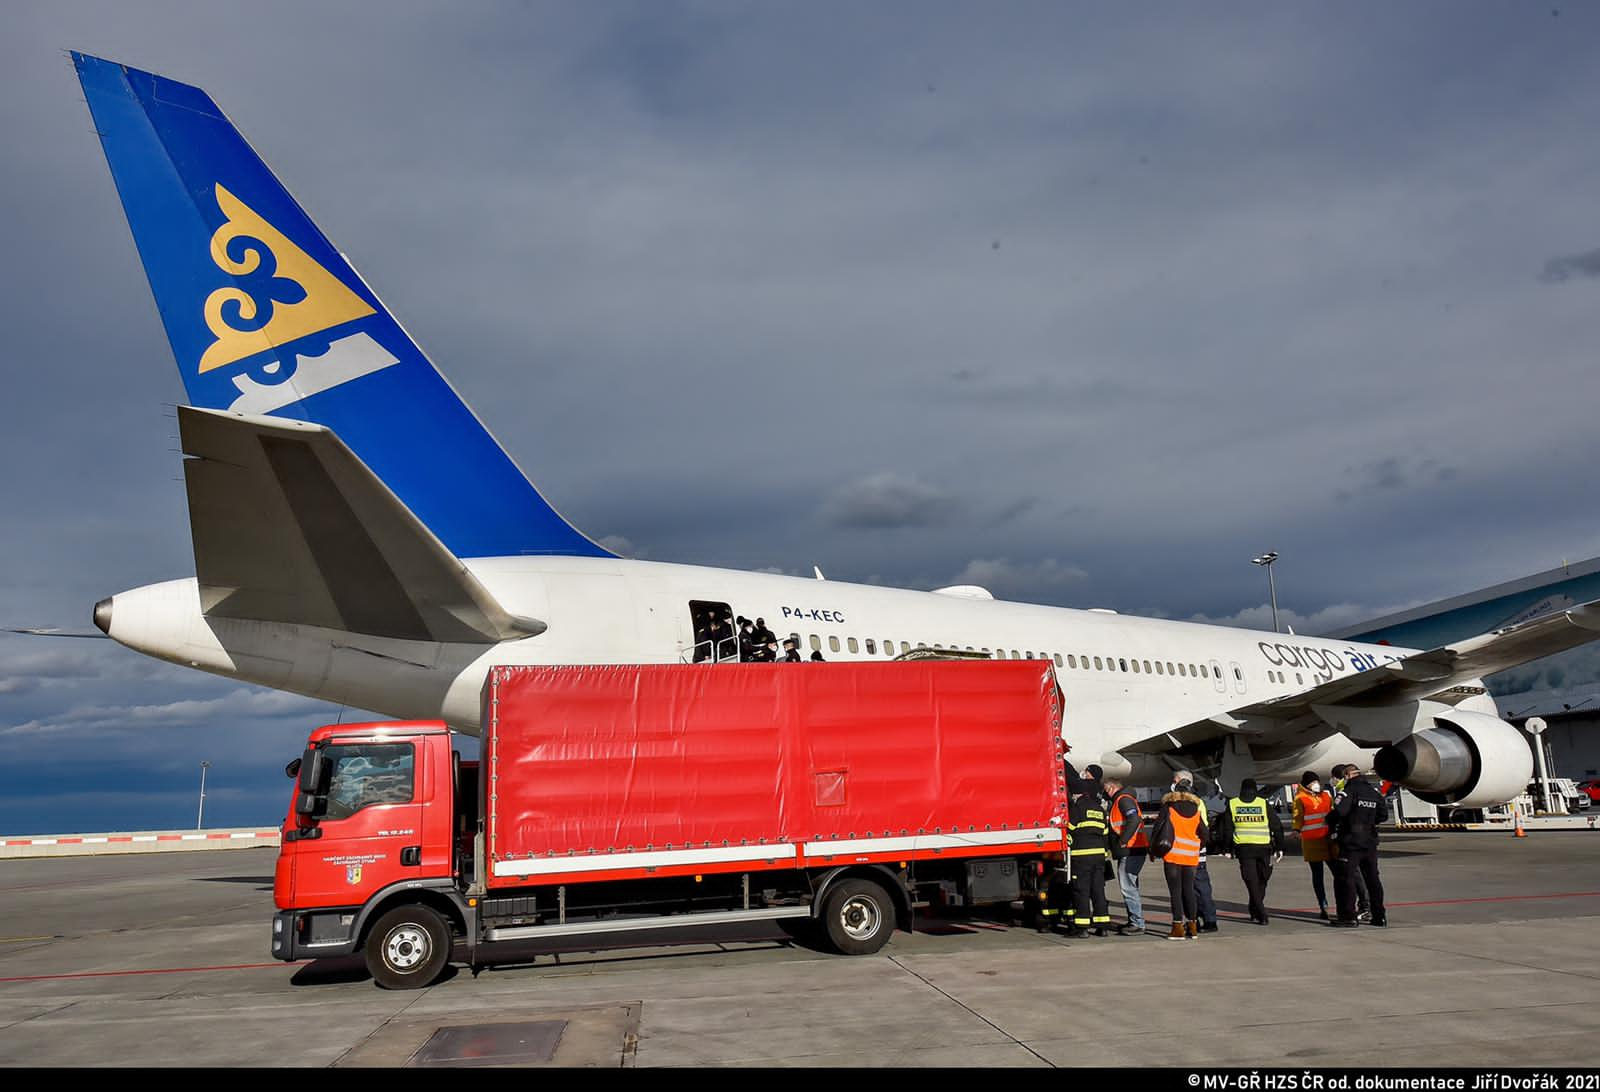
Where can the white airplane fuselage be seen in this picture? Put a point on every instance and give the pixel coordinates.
(1124, 679)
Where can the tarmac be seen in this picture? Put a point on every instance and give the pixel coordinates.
(1492, 959)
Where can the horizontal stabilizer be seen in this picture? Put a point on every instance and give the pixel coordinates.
(289, 526)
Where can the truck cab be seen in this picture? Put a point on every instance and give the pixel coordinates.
(380, 815)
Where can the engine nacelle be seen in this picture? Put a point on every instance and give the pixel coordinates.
(1462, 758)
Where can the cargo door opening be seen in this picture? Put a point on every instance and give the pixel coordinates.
(714, 637)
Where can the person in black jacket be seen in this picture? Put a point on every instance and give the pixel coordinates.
(1339, 776)
(1250, 830)
(1353, 824)
(1089, 841)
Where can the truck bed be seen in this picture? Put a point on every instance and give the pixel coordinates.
(617, 771)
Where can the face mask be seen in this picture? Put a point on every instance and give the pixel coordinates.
(1338, 783)
(1315, 786)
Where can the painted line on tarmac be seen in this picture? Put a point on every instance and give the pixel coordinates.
(158, 970)
(22, 940)
(1457, 902)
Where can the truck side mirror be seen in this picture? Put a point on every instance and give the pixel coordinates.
(311, 805)
(292, 769)
(314, 771)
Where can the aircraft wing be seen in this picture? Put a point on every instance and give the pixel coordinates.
(289, 526)
(1446, 674)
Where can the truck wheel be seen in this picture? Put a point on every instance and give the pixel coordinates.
(407, 948)
(857, 917)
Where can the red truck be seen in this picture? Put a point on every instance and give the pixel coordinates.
(832, 799)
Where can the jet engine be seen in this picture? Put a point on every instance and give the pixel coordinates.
(1461, 758)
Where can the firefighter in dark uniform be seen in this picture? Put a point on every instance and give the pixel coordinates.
(1088, 835)
(1353, 824)
(1057, 907)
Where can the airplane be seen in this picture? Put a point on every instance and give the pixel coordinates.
(360, 537)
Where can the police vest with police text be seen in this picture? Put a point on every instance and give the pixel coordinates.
(1250, 823)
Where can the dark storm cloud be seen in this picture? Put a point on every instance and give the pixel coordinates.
(1394, 473)
(1557, 270)
(707, 269)
(888, 500)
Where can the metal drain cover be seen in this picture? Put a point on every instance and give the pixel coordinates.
(525, 1043)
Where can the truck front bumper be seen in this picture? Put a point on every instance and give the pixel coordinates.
(314, 934)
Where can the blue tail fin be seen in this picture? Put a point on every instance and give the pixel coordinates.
(266, 316)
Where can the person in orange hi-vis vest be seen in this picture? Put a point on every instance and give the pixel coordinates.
(1177, 838)
(1309, 816)
(1128, 851)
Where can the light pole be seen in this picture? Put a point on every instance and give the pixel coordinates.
(199, 824)
(1267, 559)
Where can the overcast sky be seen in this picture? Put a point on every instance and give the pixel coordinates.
(1087, 303)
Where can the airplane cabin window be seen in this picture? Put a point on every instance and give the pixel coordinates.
(1181, 671)
(1147, 667)
(872, 647)
(1058, 660)
(833, 644)
(1097, 666)
(1072, 659)
(1136, 667)
(1123, 664)
(1015, 655)
(1169, 667)
(853, 644)
(816, 643)
(1237, 674)
(1158, 668)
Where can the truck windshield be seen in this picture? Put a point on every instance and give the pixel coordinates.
(368, 773)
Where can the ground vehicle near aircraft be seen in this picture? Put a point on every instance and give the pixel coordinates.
(337, 557)
(835, 798)
(1563, 789)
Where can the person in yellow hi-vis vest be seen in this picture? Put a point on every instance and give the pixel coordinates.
(1250, 830)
